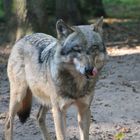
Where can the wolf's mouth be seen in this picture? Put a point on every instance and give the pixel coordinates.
(94, 71)
(91, 72)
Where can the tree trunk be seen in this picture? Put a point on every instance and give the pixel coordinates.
(97, 7)
(68, 10)
(16, 18)
(37, 15)
(23, 17)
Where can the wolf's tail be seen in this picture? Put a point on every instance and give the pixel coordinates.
(25, 108)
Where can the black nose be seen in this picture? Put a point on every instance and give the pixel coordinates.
(63, 52)
(88, 70)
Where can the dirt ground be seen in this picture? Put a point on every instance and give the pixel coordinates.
(116, 106)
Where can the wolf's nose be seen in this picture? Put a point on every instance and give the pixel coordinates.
(63, 52)
(88, 70)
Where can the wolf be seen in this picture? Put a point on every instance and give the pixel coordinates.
(59, 72)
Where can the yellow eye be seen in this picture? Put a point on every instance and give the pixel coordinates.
(76, 48)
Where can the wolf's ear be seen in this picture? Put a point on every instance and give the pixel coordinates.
(63, 30)
(97, 26)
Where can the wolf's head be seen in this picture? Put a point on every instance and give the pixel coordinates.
(81, 47)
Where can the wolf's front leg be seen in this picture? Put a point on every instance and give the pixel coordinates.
(84, 114)
(60, 122)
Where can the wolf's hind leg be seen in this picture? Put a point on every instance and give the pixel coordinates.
(17, 94)
(41, 121)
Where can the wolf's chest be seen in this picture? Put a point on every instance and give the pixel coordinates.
(75, 88)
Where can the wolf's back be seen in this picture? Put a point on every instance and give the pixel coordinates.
(39, 46)
(39, 39)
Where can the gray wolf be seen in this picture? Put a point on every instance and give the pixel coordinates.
(59, 72)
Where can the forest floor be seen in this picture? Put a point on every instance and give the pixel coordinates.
(116, 106)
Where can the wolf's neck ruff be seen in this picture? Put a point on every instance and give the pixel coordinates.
(76, 86)
(44, 43)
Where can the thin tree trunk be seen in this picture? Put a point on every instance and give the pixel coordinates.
(97, 7)
(37, 15)
(68, 10)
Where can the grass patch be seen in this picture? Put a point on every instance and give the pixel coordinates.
(1, 10)
(122, 8)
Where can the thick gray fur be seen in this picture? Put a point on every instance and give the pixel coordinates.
(58, 72)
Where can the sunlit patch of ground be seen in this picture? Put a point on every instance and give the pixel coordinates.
(116, 20)
(112, 20)
(123, 51)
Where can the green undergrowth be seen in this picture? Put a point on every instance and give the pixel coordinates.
(122, 8)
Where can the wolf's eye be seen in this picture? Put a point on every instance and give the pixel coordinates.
(76, 48)
(93, 49)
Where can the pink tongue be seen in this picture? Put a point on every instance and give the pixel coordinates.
(94, 72)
